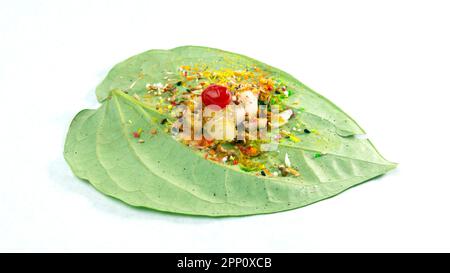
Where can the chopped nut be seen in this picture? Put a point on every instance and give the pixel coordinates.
(168, 87)
(287, 170)
(153, 87)
(293, 171)
(198, 87)
(283, 170)
(221, 149)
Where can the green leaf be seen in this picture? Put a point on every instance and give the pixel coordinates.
(163, 174)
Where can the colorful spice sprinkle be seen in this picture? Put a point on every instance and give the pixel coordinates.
(138, 133)
(294, 138)
(249, 151)
(317, 155)
(195, 87)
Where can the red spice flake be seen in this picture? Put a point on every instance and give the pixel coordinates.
(204, 142)
(249, 151)
(138, 133)
(269, 87)
(235, 162)
(185, 73)
(173, 103)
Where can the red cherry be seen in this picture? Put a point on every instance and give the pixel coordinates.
(216, 95)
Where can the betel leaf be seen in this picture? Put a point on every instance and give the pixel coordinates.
(164, 174)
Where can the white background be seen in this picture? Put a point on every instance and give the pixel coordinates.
(387, 63)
